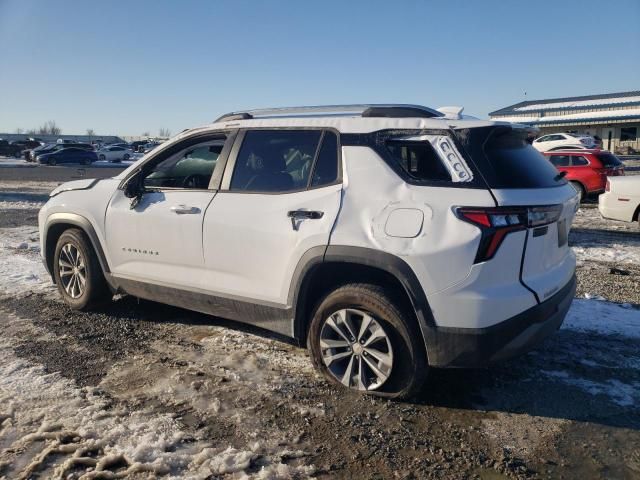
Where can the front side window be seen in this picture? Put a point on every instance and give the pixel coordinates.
(275, 160)
(579, 161)
(190, 168)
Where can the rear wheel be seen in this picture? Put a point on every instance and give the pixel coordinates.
(580, 189)
(102, 157)
(126, 157)
(78, 273)
(52, 161)
(360, 339)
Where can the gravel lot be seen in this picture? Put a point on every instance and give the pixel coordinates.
(142, 390)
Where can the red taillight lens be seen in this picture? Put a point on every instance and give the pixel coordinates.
(496, 223)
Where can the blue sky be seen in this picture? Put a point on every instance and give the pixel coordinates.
(126, 67)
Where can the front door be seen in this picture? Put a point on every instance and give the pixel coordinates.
(279, 198)
(159, 240)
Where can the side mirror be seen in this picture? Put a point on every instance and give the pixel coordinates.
(135, 186)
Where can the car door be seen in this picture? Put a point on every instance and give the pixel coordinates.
(280, 197)
(159, 239)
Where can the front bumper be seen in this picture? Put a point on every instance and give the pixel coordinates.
(481, 347)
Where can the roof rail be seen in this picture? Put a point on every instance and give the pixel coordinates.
(363, 110)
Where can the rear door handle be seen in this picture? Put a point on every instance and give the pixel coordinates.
(297, 216)
(184, 210)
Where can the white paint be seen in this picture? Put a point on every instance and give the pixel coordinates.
(404, 223)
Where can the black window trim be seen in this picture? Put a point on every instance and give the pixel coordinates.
(200, 137)
(225, 187)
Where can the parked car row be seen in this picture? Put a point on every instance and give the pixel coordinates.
(68, 152)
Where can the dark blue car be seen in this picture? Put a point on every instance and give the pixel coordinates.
(68, 155)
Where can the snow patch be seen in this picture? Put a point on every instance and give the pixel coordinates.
(606, 318)
(623, 394)
(616, 253)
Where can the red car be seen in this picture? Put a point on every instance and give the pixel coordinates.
(587, 170)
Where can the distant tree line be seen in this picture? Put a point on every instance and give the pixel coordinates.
(48, 128)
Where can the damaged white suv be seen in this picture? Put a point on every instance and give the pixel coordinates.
(388, 238)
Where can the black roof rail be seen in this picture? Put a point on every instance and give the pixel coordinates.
(364, 110)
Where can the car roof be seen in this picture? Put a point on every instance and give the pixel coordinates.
(580, 151)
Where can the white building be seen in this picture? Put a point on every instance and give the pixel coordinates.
(614, 117)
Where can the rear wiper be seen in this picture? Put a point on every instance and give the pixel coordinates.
(560, 176)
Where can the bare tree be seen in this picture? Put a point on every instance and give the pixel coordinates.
(49, 128)
(19, 131)
(145, 134)
(32, 131)
(91, 132)
(164, 132)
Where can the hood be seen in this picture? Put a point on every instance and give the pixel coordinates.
(84, 184)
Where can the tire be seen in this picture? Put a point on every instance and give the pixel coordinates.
(402, 340)
(102, 157)
(94, 291)
(85, 161)
(580, 189)
(52, 162)
(126, 157)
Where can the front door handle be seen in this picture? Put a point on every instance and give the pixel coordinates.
(297, 216)
(184, 210)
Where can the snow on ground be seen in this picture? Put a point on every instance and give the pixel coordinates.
(616, 253)
(15, 162)
(45, 415)
(21, 269)
(605, 318)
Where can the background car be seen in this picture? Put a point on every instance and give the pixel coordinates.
(113, 153)
(554, 140)
(621, 199)
(68, 155)
(53, 147)
(9, 149)
(587, 170)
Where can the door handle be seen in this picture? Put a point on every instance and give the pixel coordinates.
(184, 210)
(297, 216)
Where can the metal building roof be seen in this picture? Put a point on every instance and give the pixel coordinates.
(605, 100)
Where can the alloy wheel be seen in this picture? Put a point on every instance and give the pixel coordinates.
(72, 270)
(356, 349)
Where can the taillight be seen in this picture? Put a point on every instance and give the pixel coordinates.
(496, 223)
(607, 187)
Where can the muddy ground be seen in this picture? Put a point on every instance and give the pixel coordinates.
(142, 390)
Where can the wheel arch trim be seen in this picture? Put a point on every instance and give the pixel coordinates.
(77, 221)
(368, 257)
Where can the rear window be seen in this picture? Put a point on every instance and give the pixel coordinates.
(609, 160)
(507, 160)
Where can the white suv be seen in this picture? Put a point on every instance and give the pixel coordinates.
(388, 238)
(563, 141)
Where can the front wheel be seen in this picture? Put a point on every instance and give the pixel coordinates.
(360, 339)
(78, 273)
(52, 162)
(126, 157)
(102, 157)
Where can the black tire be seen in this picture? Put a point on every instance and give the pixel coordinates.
(580, 189)
(126, 157)
(409, 366)
(85, 161)
(102, 157)
(52, 162)
(96, 291)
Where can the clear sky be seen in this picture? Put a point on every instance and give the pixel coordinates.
(130, 66)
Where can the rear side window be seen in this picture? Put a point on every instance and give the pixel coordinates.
(419, 160)
(579, 161)
(609, 160)
(275, 161)
(560, 160)
(506, 160)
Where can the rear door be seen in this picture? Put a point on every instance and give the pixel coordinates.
(519, 176)
(280, 197)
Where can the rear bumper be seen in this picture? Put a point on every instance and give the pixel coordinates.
(481, 347)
